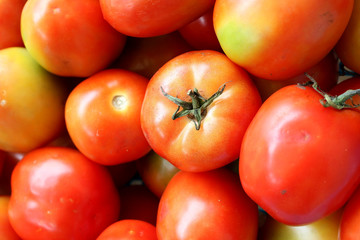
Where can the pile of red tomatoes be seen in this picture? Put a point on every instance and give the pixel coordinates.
(179, 120)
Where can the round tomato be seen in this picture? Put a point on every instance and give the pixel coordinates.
(348, 47)
(6, 230)
(278, 40)
(10, 13)
(69, 38)
(129, 229)
(200, 33)
(325, 73)
(218, 102)
(324, 229)
(155, 172)
(102, 116)
(143, 18)
(146, 55)
(31, 102)
(199, 205)
(350, 219)
(299, 159)
(57, 193)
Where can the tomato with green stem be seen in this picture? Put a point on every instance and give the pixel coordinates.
(196, 109)
(299, 157)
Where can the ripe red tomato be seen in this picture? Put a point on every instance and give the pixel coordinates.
(6, 230)
(102, 116)
(348, 46)
(350, 219)
(129, 229)
(146, 55)
(69, 38)
(273, 40)
(300, 160)
(324, 229)
(232, 101)
(31, 102)
(324, 72)
(10, 13)
(57, 193)
(207, 204)
(155, 172)
(200, 33)
(143, 18)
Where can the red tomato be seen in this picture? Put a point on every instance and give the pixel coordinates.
(348, 47)
(6, 230)
(57, 193)
(129, 229)
(69, 38)
(155, 172)
(232, 101)
(300, 160)
(146, 55)
(31, 102)
(10, 13)
(324, 229)
(325, 73)
(350, 219)
(347, 84)
(143, 18)
(273, 40)
(200, 33)
(206, 205)
(102, 116)
(138, 202)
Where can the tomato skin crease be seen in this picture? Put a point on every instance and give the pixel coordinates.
(218, 140)
(299, 160)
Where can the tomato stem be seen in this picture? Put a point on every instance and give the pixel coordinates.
(338, 102)
(196, 108)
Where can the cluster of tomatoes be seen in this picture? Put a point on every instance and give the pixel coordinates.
(208, 119)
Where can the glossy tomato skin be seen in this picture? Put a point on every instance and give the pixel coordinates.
(10, 13)
(199, 205)
(143, 18)
(273, 40)
(200, 33)
(146, 55)
(79, 42)
(218, 140)
(6, 230)
(57, 193)
(299, 159)
(27, 123)
(348, 46)
(102, 116)
(324, 229)
(324, 72)
(129, 229)
(350, 219)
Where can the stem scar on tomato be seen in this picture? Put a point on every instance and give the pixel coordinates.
(196, 108)
(344, 100)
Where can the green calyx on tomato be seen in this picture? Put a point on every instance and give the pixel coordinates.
(196, 108)
(344, 100)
